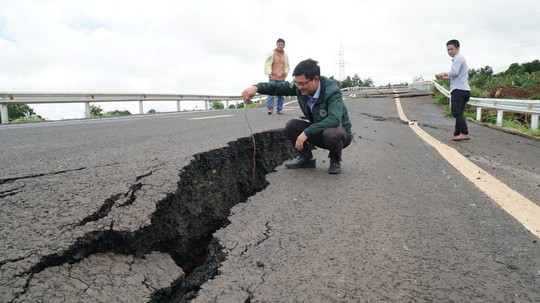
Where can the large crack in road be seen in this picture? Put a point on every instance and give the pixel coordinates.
(166, 260)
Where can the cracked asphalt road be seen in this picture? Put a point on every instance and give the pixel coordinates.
(69, 190)
(399, 224)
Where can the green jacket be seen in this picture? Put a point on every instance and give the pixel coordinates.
(329, 110)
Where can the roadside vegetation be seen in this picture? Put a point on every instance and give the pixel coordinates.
(353, 81)
(22, 113)
(519, 81)
(97, 112)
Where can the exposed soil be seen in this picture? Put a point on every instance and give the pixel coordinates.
(514, 92)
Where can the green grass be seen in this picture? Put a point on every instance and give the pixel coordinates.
(31, 119)
(520, 126)
(470, 112)
(440, 99)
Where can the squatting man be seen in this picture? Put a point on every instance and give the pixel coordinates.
(321, 101)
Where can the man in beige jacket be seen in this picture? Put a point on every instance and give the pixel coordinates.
(276, 67)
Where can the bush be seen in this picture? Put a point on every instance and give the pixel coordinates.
(30, 119)
(217, 105)
(95, 111)
(479, 93)
(441, 99)
(523, 75)
(16, 111)
(118, 113)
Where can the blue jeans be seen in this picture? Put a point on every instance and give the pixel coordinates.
(270, 100)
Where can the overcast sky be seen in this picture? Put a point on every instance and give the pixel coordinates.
(218, 47)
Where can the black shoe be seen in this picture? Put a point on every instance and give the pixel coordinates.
(302, 163)
(335, 166)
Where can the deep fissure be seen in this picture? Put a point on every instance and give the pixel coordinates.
(185, 220)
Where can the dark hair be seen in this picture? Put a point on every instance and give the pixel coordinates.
(308, 68)
(280, 40)
(453, 42)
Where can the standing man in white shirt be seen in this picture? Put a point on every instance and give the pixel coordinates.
(460, 91)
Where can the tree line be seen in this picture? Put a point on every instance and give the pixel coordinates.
(519, 75)
(353, 81)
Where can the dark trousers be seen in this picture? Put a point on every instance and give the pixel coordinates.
(458, 99)
(333, 139)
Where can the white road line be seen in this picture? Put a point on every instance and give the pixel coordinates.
(518, 206)
(211, 117)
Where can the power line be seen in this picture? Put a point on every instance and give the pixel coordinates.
(497, 24)
(503, 47)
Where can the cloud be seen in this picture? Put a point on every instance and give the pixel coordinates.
(218, 47)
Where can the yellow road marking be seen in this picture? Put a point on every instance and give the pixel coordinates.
(518, 206)
(211, 117)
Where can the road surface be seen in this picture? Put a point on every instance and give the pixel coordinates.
(123, 210)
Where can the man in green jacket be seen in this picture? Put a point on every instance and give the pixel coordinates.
(321, 102)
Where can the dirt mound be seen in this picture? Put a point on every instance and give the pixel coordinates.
(514, 92)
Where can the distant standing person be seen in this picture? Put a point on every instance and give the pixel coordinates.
(276, 67)
(321, 101)
(460, 91)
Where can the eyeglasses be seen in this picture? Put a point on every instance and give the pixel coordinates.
(302, 84)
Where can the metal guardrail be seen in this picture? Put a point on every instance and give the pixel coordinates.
(424, 85)
(511, 105)
(87, 98)
(501, 105)
(362, 88)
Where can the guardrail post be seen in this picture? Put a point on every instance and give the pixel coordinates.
(4, 113)
(534, 122)
(499, 117)
(87, 110)
(479, 114)
(141, 110)
(206, 104)
(177, 105)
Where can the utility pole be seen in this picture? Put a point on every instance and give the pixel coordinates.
(341, 63)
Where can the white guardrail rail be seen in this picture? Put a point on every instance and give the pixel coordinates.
(361, 88)
(531, 107)
(501, 105)
(87, 98)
